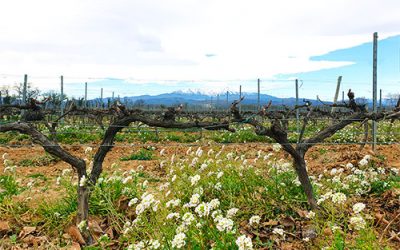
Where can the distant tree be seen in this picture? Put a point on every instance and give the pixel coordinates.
(392, 98)
(5, 95)
(139, 103)
(31, 92)
(54, 97)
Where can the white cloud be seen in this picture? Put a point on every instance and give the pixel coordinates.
(158, 39)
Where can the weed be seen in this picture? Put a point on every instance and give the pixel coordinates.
(8, 187)
(142, 154)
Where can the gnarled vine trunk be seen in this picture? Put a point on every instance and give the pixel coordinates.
(301, 170)
(82, 217)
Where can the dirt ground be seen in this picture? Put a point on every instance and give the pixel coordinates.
(319, 158)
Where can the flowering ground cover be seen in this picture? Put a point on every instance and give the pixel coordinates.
(172, 196)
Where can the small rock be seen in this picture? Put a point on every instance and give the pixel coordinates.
(309, 231)
(4, 227)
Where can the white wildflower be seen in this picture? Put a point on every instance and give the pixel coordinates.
(194, 161)
(173, 215)
(363, 162)
(147, 201)
(296, 182)
(4, 156)
(58, 180)
(10, 168)
(213, 204)
(194, 179)
(220, 174)
(163, 186)
(194, 200)
(231, 212)
(279, 231)
(154, 244)
(82, 225)
(198, 190)
(199, 152)
(66, 171)
(173, 178)
(203, 167)
(225, 224)
(276, 147)
(173, 203)
(244, 243)
(310, 215)
(188, 218)
(140, 208)
(215, 213)
(88, 150)
(218, 186)
(127, 179)
(335, 228)
(349, 166)
(267, 156)
(357, 222)
(254, 220)
(139, 246)
(82, 181)
(358, 207)
(162, 164)
(203, 209)
(155, 205)
(339, 198)
(179, 240)
(162, 151)
(133, 201)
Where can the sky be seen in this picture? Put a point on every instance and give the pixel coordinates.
(156, 46)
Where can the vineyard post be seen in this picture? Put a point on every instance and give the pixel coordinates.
(112, 97)
(374, 87)
(24, 92)
(101, 98)
(342, 96)
(380, 99)
(216, 105)
(297, 103)
(227, 98)
(62, 96)
(240, 97)
(86, 95)
(339, 80)
(258, 94)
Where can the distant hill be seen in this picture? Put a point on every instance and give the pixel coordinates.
(199, 98)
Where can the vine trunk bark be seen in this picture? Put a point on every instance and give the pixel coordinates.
(82, 217)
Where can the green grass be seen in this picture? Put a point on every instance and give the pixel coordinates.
(142, 154)
(8, 187)
(38, 161)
